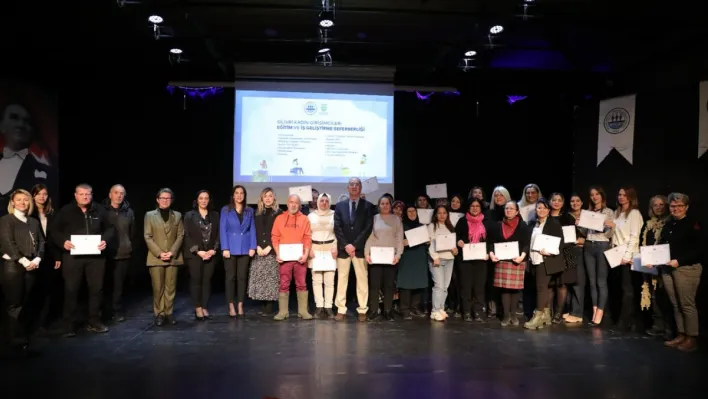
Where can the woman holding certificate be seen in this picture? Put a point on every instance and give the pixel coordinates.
(471, 232)
(443, 250)
(412, 277)
(569, 276)
(626, 226)
(682, 274)
(22, 248)
(596, 243)
(264, 278)
(383, 250)
(324, 247)
(509, 267)
(546, 260)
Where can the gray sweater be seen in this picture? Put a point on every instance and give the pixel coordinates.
(387, 232)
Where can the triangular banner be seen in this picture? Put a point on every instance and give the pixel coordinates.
(616, 127)
(703, 119)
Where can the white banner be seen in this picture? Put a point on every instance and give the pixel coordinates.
(616, 127)
(703, 119)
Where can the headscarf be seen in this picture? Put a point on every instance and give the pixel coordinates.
(325, 212)
(407, 222)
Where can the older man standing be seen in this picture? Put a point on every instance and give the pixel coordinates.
(122, 218)
(291, 233)
(353, 220)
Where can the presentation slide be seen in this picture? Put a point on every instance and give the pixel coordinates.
(285, 139)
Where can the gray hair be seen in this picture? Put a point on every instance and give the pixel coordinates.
(661, 198)
(299, 200)
(503, 191)
(680, 197)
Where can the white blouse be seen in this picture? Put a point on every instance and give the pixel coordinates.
(441, 229)
(626, 231)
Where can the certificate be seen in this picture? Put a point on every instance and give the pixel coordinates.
(435, 191)
(417, 236)
(425, 216)
(323, 262)
(370, 185)
(506, 250)
(304, 192)
(655, 255)
(569, 236)
(382, 255)
(290, 252)
(550, 243)
(85, 244)
(638, 267)
(455, 217)
(614, 256)
(592, 220)
(476, 251)
(445, 242)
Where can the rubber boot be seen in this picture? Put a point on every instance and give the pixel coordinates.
(283, 311)
(302, 305)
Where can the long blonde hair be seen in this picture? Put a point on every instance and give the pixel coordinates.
(261, 206)
(11, 205)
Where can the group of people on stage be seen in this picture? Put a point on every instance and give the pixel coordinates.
(257, 247)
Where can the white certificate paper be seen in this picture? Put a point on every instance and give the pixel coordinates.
(655, 255)
(85, 244)
(445, 242)
(506, 250)
(614, 256)
(382, 255)
(304, 192)
(370, 185)
(425, 216)
(592, 220)
(290, 252)
(417, 236)
(436, 191)
(550, 243)
(455, 217)
(474, 251)
(323, 262)
(569, 236)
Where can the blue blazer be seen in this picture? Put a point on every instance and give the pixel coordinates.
(236, 237)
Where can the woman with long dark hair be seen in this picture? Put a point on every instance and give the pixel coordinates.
(442, 261)
(596, 243)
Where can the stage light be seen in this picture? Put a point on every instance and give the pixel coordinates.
(496, 29)
(323, 50)
(176, 51)
(155, 19)
(470, 53)
(326, 19)
(326, 23)
(529, 1)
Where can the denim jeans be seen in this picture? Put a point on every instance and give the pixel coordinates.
(441, 280)
(598, 269)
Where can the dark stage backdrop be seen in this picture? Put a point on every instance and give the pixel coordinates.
(28, 138)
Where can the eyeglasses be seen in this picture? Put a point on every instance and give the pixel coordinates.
(681, 206)
(165, 198)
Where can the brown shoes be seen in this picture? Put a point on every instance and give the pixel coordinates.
(683, 343)
(340, 317)
(362, 317)
(674, 343)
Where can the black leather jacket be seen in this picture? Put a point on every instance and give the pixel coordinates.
(20, 239)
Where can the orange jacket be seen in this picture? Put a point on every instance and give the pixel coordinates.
(291, 229)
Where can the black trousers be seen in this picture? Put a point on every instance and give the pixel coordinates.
(543, 280)
(662, 312)
(410, 299)
(473, 280)
(74, 268)
(116, 270)
(236, 268)
(381, 277)
(200, 273)
(21, 296)
(454, 298)
(51, 292)
(624, 276)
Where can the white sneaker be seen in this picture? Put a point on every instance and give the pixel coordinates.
(437, 316)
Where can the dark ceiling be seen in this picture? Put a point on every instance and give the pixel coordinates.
(417, 37)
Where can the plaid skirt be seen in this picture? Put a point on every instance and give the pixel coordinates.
(509, 275)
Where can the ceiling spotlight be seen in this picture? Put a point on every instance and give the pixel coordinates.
(529, 1)
(155, 19)
(467, 64)
(323, 50)
(326, 23)
(496, 29)
(470, 53)
(324, 58)
(176, 51)
(326, 18)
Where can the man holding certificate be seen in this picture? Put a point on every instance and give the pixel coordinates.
(82, 228)
(292, 238)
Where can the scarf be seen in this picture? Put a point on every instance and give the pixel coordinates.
(655, 225)
(475, 227)
(407, 223)
(326, 212)
(509, 227)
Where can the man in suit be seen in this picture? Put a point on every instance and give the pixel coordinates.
(164, 233)
(22, 162)
(353, 220)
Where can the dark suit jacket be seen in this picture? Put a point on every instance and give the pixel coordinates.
(51, 251)
(193, 242)
(554, 263)
(31, 172)
(353, 233)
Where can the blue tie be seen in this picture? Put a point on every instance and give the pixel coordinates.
(352, 216)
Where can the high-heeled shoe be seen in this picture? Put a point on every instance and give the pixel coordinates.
(208, 316)
(197, 317)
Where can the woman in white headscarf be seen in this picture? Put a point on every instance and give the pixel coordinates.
(324, 243)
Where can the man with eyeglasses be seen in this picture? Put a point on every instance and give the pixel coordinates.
(82, 217)
(164, 233)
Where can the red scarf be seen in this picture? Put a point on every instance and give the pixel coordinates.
(509, 227)
(476, 228)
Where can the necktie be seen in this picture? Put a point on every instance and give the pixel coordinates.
(352, 216)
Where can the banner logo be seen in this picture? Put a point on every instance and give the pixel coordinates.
(616, 121)
(310, 108)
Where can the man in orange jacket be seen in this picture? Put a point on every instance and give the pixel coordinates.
(292, 238)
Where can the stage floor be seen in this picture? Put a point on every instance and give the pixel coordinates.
(258, 358)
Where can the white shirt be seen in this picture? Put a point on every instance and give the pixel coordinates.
(322, 226)
(441, 229)
(601, 236)
(536, 257)
(10, 165)
(626, 231)
(526, 211)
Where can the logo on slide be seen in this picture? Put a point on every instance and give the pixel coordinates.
(310, 108)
